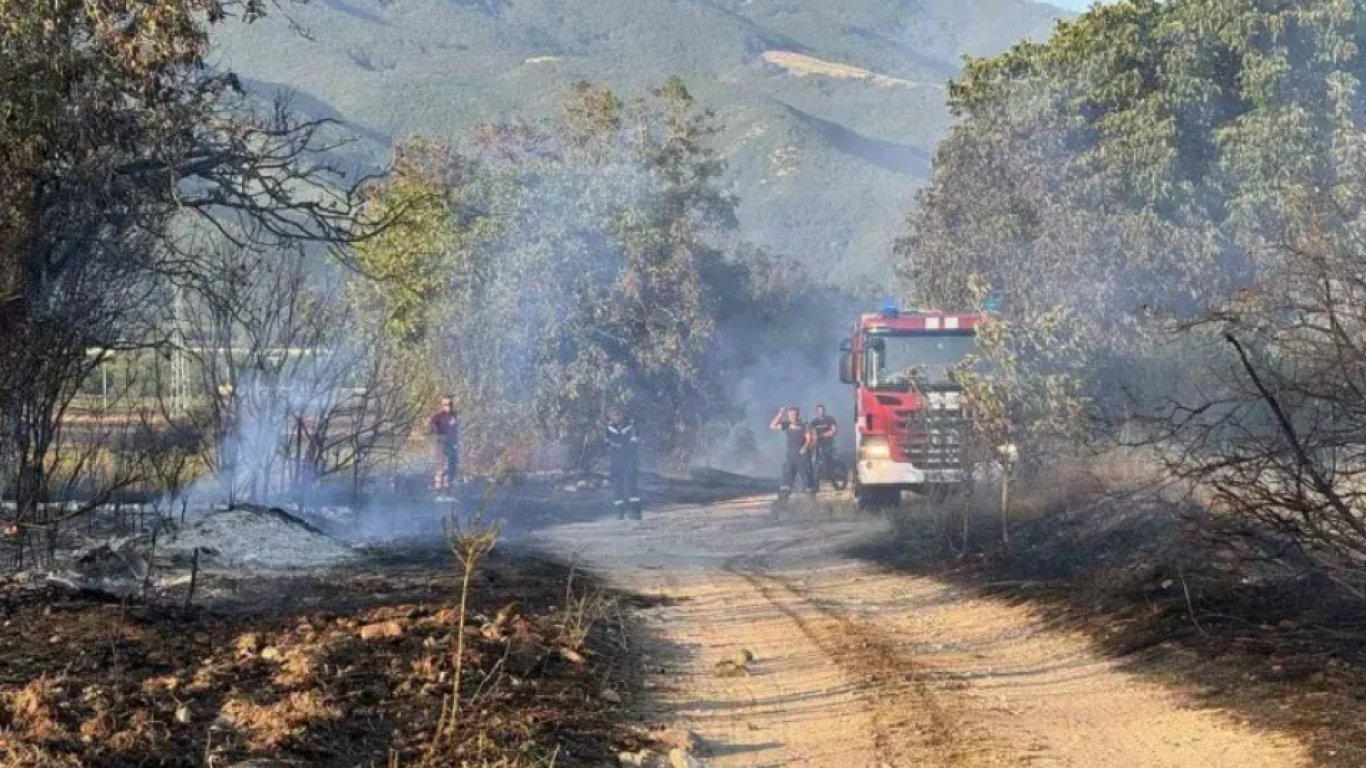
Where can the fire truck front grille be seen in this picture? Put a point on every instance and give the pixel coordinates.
(934, 440)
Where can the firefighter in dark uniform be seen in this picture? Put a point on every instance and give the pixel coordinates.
(623, 449)
(797, 460)
(824, 429)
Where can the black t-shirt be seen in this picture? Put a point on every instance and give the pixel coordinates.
(796, 436)
(820, 425)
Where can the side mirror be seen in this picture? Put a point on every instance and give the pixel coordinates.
(847, 368)
(847, 345)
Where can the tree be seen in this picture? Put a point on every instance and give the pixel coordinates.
(297, 386)
(572, 265)
(1183, 181)
(642, 333)
(1133, 161)
(414, 263)
(1272, 438)
(1022, 380)
(119, 145)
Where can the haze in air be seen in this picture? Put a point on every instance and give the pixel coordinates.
(522, 383)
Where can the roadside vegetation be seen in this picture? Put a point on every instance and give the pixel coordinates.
(561, 266)
(1166, 200)
(1170, 193)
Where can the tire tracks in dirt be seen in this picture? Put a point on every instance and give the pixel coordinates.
(858, 666)
(894, 690)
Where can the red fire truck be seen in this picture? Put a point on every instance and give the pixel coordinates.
(910, 417)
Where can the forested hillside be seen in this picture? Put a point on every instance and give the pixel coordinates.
(830, 110)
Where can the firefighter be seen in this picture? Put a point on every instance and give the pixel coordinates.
(824, 428)
(445, 428)
(623, 449)
(797, 460)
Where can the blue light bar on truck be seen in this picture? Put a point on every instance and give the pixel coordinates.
(889, 308)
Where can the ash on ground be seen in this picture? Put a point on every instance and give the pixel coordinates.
(256, 538)
(239, 541)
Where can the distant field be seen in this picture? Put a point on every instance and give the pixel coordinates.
(801, 65)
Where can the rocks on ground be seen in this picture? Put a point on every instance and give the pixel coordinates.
(674, 748)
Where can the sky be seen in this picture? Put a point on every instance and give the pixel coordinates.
(1072, 5)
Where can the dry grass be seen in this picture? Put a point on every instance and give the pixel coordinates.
(269, 727)
(581, 614)
(30, 711)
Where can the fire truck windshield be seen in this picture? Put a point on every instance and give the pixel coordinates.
(918, 361)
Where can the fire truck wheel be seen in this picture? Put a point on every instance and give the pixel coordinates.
(877, 498)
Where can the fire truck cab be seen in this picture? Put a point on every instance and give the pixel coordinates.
(910, 416)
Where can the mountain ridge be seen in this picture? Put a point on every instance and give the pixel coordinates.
(831, 111)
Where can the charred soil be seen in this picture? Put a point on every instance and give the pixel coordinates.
(345, 668)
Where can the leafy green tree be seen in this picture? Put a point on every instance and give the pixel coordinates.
(1138, 163)
(1134, 159)
(569, 266)
(410, 264)
(633, 319)
(1192, 166)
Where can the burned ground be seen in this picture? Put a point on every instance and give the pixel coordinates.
(343, 669)
(347, 666)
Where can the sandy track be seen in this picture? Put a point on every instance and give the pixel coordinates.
(857, 666)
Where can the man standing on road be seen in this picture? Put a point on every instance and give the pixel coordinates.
(797, 460)
(623, 449)
(445, 427)
(824, 428)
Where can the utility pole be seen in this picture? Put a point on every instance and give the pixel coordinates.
(180, 395)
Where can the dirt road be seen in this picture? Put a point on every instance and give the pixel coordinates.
(854, 665)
